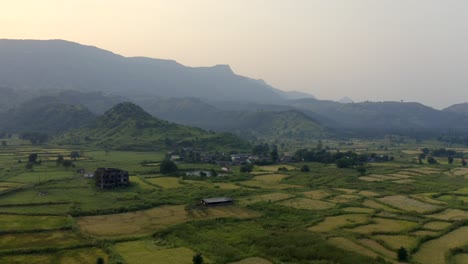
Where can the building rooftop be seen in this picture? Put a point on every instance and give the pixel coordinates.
(217, 200)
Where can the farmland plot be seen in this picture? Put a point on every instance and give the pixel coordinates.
(408, 204)
(309, 204)
(333, 222)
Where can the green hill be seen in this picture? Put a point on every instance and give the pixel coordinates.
(45, 117)
(128, 127)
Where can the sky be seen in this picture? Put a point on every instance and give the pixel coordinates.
(377, 50)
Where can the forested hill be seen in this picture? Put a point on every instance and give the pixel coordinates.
(128, 127)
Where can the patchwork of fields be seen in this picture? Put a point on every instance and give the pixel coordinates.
(50, 214)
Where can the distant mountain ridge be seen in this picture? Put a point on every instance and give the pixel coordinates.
(58, 64)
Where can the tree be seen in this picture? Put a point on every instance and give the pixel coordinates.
(450, 160)
(4, 143)
(213, 173)
(431, 160)
(168, 166)
(74, 155)
(67, 164)
(463, 162)
(305, 168)
(198, 259)
(246, 168)
(362, 170)
(402, 254)
(59, 159)
(100, 260)
(32, 158)
(274, 154)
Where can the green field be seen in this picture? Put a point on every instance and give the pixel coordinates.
(49, 214)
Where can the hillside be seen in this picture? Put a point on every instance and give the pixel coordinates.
(58, 64)
(45, 116)
(457, 108)
(127, 126)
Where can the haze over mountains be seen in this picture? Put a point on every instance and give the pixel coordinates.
(72, 84)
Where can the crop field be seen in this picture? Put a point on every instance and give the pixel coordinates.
(433, 252)
(451, 215)
(332, 222)
(383, 225)
(309, 204)
(24, 223)
(270, 197)
(47, 239)
(54, 215)
(146, 221)
(165, 182)
(408, 204)
(394, 242)
(349, 245)
(145, 252)
(460, 258)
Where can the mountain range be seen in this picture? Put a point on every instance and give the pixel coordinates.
(65, 85)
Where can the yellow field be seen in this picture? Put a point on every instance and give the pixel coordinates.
(461, 191)
(401, 175)
(349, 245)
(270, 181)
(436, 225)
(358, 210)
(269, 197)
(226, 185)
(378, 248)
(385, 177)
(461, 258)
(451, 215)
(39, 240)
(147, 221)
(145, 252)
(408, 204)
(368, 194)
(396, 241)
(165, 182)
(274, 168)
(433, 251)
(333, 222)
(404, 181)
(385, 225)
(423, 233)
(426, 197)
(344, 198)
(460, 171)
(344, 190)
(370, 179)
(376, 205)
(252, 261)
(316, 194)
(304, 203)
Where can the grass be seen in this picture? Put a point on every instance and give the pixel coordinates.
(385, 225)
(370, 179)
(143, 185)
(309, 204)
(394, 242)
(316, 194)
(39, 240)
(436, 225)
(461, 258)
(145, 252)
(358, 210)
(349, 245)
(76, 256)
(378, 248)
(333, 222)
(424, 233)
(165, 182)
(368, 193)
(274, 168)
(148, 221)
(451, 215)
(254, 260)
(408, 204)
(269, 197)
(270, 181)
(433, 251)
(426, 197)
(24, 223)
(376, 205)
(344, 198)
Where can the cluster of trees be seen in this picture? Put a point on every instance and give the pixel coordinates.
(34, 137)
(268, 155)
(442, 152)
(341, 159)
(168, 167)
(5, 135)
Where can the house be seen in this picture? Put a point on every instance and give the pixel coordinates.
(175, 157)
(226, 169)
(216, 201)
(240, 157)
(88, 175)
(111, 178)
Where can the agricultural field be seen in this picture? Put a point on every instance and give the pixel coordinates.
(52, 214)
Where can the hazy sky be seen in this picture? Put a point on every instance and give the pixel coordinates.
(415, 50)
